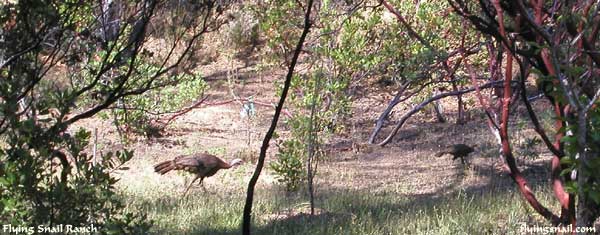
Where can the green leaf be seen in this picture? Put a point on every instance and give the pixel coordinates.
(566, 172)
(568, 139)
(567, 160)
(571, 187)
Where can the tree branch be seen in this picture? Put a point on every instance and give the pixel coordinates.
(247, 215)
(420, 106)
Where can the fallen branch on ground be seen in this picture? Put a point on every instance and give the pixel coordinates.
(420, 106)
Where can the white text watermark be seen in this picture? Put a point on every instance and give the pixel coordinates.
(59, 229)
(525, 229)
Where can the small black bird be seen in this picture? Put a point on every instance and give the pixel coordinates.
(458, 151)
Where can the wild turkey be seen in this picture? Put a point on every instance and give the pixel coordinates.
(458, 151)
(201, 164)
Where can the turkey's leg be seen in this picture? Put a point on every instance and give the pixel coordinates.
(188, 187)
(202, 185)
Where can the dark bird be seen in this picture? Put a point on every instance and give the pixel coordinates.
(201, 164)
(458, 151)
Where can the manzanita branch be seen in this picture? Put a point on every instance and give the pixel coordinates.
(515, 173)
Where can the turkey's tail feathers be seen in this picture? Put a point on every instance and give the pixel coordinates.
(164, 167)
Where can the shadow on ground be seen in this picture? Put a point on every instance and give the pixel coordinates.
(451, 210)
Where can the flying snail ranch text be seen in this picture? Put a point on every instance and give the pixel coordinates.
(59, 228)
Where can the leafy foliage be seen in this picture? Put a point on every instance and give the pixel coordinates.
(61, 63)
(568, 84)
(141, 114)
(43, 187)
(289, 165)
(347, 48)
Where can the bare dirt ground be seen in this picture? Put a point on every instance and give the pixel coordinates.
(405, 166)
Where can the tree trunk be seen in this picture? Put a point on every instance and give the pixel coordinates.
(110, 21)
(460, 119)
(439, 109)
(587, 211)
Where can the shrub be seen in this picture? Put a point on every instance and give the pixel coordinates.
(288, 166)
(41, 186)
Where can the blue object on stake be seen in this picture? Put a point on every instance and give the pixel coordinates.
(248, 109)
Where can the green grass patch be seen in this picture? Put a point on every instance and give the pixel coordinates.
(498, 211)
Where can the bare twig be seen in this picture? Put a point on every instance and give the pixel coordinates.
(184, 111)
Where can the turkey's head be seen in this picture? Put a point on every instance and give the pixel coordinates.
(236, 162)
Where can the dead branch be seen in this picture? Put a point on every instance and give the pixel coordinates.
(420, 106)
(387, 112)
(183, 111)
